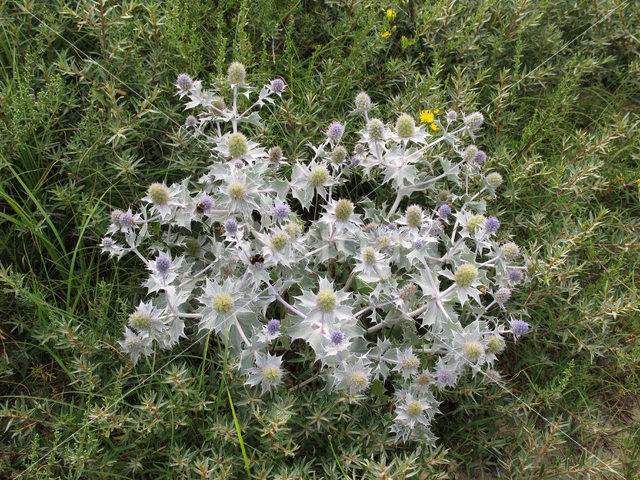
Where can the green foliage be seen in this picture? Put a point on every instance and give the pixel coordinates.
(88, 120)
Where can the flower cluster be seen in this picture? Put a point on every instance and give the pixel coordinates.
(417, 290)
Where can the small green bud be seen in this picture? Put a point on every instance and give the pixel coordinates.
(414, 409)
(159, 194)
(236, 73)
(326, 301)
(495, 344)
(344, 209)
(473, 350)
(140, 320)
(470, 153)
(279, 241)
(414, 216)
(318, 176)
(237, 191)
(363, 101)
(275, 154)
(465, 275)
(494, 180)
(238, 145)
(222, 303)
(475, 222)
(405, 126)
(510, 251)
(339, 154)
(376, 129)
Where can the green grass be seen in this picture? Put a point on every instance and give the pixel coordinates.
(88, 122)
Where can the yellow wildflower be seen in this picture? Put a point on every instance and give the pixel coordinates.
(426, 116)
(434, 127)
(436, 111)
(385, 34)
(391, 13)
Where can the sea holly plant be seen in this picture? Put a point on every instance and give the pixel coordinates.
(261, 251)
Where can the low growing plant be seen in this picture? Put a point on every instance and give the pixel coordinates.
(264, 250)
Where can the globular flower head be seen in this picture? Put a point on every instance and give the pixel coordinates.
(344, 210)
(236, 73)
(494, 180)
(140, 320)
(369, 228)
(191, 121)
(326, 301)
(369, 256)
(472, 350)
(159, 194)
(281, 211)
(135, 344)
(408, 364)
(184, 82)
(231, 226)
(491, 225)
(238, 145)
(445, 376)
(363, 101)
(495, 344)
(163, 264)
(413, 216)
(275, 154)
(519, 328)
(222, 303)
(470, 153)
(451, 116)
(465, 275)
(237, 191)
(408, 291)
(335, 131)
(474, 121)
(279, 241)
(126, 220)
(423, 380)
(218, 103)
(318, 176)
(444, 211)
(353, 377)
(273, 326)
(205, 203)
(267, 373)
(515, 276)
(405, 126)
(475, 222)
(375, 128)
(277, 85)
(502, 296)
(293, 229)
(443, 195)
(510, 251)
(359, 149)
(339, 154)
(480, 158)
(392, 226)
(337, 337)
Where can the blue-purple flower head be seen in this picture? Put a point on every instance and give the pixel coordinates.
(446, 377)
(205, 203)
(515, 276)
(444, 211)
(335, 131)
(273, 326)
(126, 219)
(491, 225)
(337, 337)
(281, 211)
(480, 158)
(392, 226)
(418, 244)
(519, 328)
(184, 82)
(277, 85)
(163, 264)
(231, 226)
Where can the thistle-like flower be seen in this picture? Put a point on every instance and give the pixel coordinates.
(267, 372)
(335, 131)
